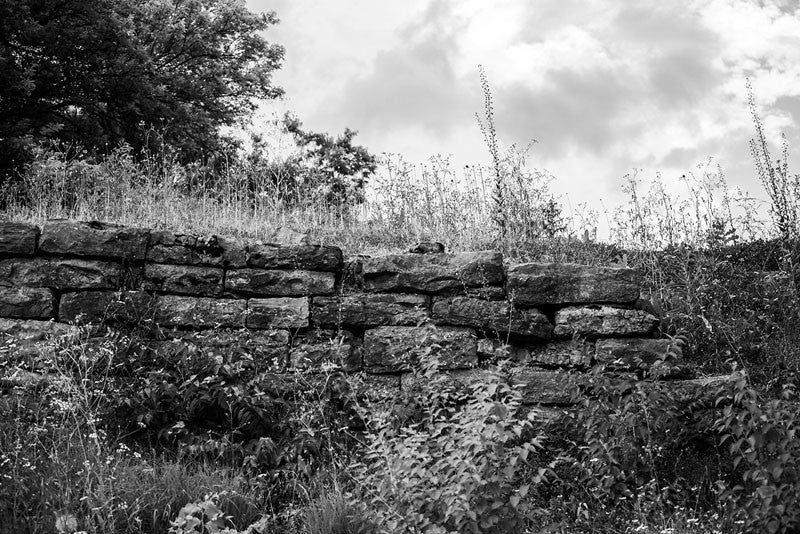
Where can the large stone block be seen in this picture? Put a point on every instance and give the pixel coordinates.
(603, 321)
(550, 388)
(282, 312)
(432, 273)
(297, 257)
(494, 317)
(634, 353)
(315, 356)
(26, 302)
(183, 249)
(279, 283)
(20, 339)
(200, 312)
(254, 351)
(394, 349)
(60, 273)
(132, 307)
(370, 309)
(183, 279)
(547, 387)
(706, 389)
(97, 239)
(537, 284)
(18, 238)
(569, 354)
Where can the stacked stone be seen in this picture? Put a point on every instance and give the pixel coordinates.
(303, 307)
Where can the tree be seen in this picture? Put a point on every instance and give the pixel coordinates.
(101, 72)
(335, 166)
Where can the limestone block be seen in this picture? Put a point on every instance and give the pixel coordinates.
(569, 354)
(183, 279)
(496, 317)
(18, 238)
(603, 321)
(21, 338)
(547, 387)
(460, 378)
(537, 387)
(393, 349)
(279, 283)
(314, 356)
(97, 239)
(432, 273)
(283, 312)
(60, 273)
(183, 249)
(370, 309)
(259, 351)
(200, 312)
(703, 389)
(106, 306)
(298, 257)
(26, 302)
(633, 353)
(536, 284)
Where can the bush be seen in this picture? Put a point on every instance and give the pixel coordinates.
(762, 440)
(451, 460)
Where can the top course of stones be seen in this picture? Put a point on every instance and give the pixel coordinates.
(229, 266)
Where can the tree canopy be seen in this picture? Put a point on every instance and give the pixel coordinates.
(101, 72)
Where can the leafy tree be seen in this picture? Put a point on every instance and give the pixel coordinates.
(101, 72)
(336, 165)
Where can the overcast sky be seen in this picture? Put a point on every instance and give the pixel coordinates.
(603, 86)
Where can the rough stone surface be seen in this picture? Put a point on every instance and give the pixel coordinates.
(633, 353)
(60, 274)
(432, 273)
(26, 302)
(183, 279)
(538, 387)
(568, 354)
(701, 389)
(393, 349)
(546, 387)
(134, 307)
(300, 257)
(603, 321)
(279, 283)
(21, 338)
(483, 293)
(314, 356)
(369, 310)
(18, 238)
(282, 312)
(98, 239)
(496, 317)
(200, 312)
(461, 378)
(183, 249)
(536, 284)
(260, 351)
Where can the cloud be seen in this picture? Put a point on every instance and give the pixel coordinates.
(604, 86)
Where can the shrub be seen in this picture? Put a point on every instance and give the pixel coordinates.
(453, 463)
(762, 440)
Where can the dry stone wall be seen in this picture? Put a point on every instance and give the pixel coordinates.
(306, 308)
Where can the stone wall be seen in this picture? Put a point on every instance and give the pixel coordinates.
(304, 307)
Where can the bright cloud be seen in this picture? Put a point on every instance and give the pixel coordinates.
(605, 87)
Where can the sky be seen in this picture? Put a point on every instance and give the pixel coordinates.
(603, 87)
